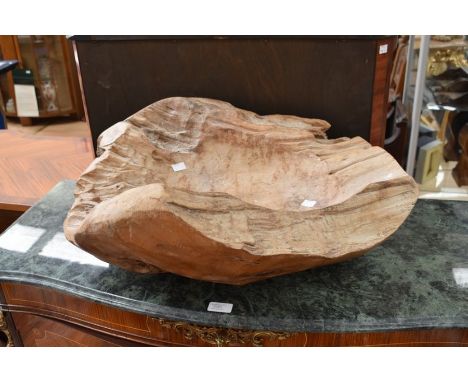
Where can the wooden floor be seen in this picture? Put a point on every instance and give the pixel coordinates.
(53, 127)
(33, 159)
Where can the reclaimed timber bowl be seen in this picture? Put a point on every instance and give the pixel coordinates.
(202, 189)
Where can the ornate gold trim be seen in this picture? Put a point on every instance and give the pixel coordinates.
(223, 336)
(4, 329)
(440, 59)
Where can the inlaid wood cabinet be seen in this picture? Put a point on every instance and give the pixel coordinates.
(45, 317)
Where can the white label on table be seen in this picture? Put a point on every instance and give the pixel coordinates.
(308, 203)
(383, 49)
(221, 307)
(178, 166)
(20, 238)
(461, 276)
(26, 101)
(60, 248)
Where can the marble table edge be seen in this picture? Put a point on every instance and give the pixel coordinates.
(229, 320)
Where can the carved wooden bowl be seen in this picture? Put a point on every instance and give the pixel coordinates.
(202, 189)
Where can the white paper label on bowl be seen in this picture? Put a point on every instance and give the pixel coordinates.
(308, 203)
(20, 238)
(383, 49)
(220, 307)
(178, 166)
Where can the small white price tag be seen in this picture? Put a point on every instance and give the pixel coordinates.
(461, 277)
(308, 203)
(178, 166)
(221, 307)
(383, 49)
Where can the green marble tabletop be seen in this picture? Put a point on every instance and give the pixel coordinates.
(418, 278)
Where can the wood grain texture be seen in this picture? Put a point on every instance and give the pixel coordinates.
(93, 323)
(235, 214)
(31, 165)
(37, 331)
(8, 47)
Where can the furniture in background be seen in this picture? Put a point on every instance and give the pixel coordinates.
(50, 59)
(31, 165)
(343, 80)
(5, 67)
(397, 76)
(445, 104)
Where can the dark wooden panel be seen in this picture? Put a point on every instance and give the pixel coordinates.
(7, 218)
(96, 320)
(8, 334)
(9, 52)
(327, 78)
(11, 49)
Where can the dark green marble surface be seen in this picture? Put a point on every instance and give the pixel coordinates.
(407, 282)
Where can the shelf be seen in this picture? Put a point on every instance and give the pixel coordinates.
(51, 60)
